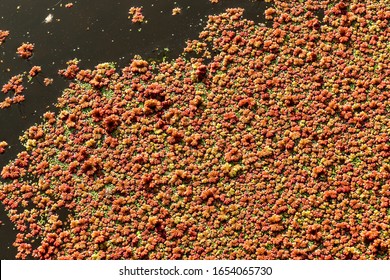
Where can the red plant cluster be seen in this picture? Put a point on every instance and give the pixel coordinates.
(25, 50)
(275, 147)
(135, 14)
(47, 81)
(35, 70)
(71, 71)
(14, 85)
(3, 35)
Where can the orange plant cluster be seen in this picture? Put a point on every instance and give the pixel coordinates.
(3, 146)
(256, 143)
(3, 35)
(135, 14)
(25, 50)
(16, 87)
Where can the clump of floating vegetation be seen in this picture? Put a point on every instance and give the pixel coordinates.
(256, 143)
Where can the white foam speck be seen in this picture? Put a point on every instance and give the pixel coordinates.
(49, 18)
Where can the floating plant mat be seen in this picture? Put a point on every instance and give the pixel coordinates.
(89, 31)
(256, 143)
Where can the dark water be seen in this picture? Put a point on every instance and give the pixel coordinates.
(93, 31)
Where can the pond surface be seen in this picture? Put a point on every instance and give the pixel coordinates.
(93, 31)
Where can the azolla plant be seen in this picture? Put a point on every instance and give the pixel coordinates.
(135, 14)
(256, 143)
(13, 89)
(16, 88)
(25, 50)
(3, 35)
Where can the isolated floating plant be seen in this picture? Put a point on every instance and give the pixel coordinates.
(256, 143)
(135, 14)
(3, 146)
(3, 35)
(69, 5)
(176, 11)
(25, 50)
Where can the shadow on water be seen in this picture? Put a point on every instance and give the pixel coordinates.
(93, 31)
